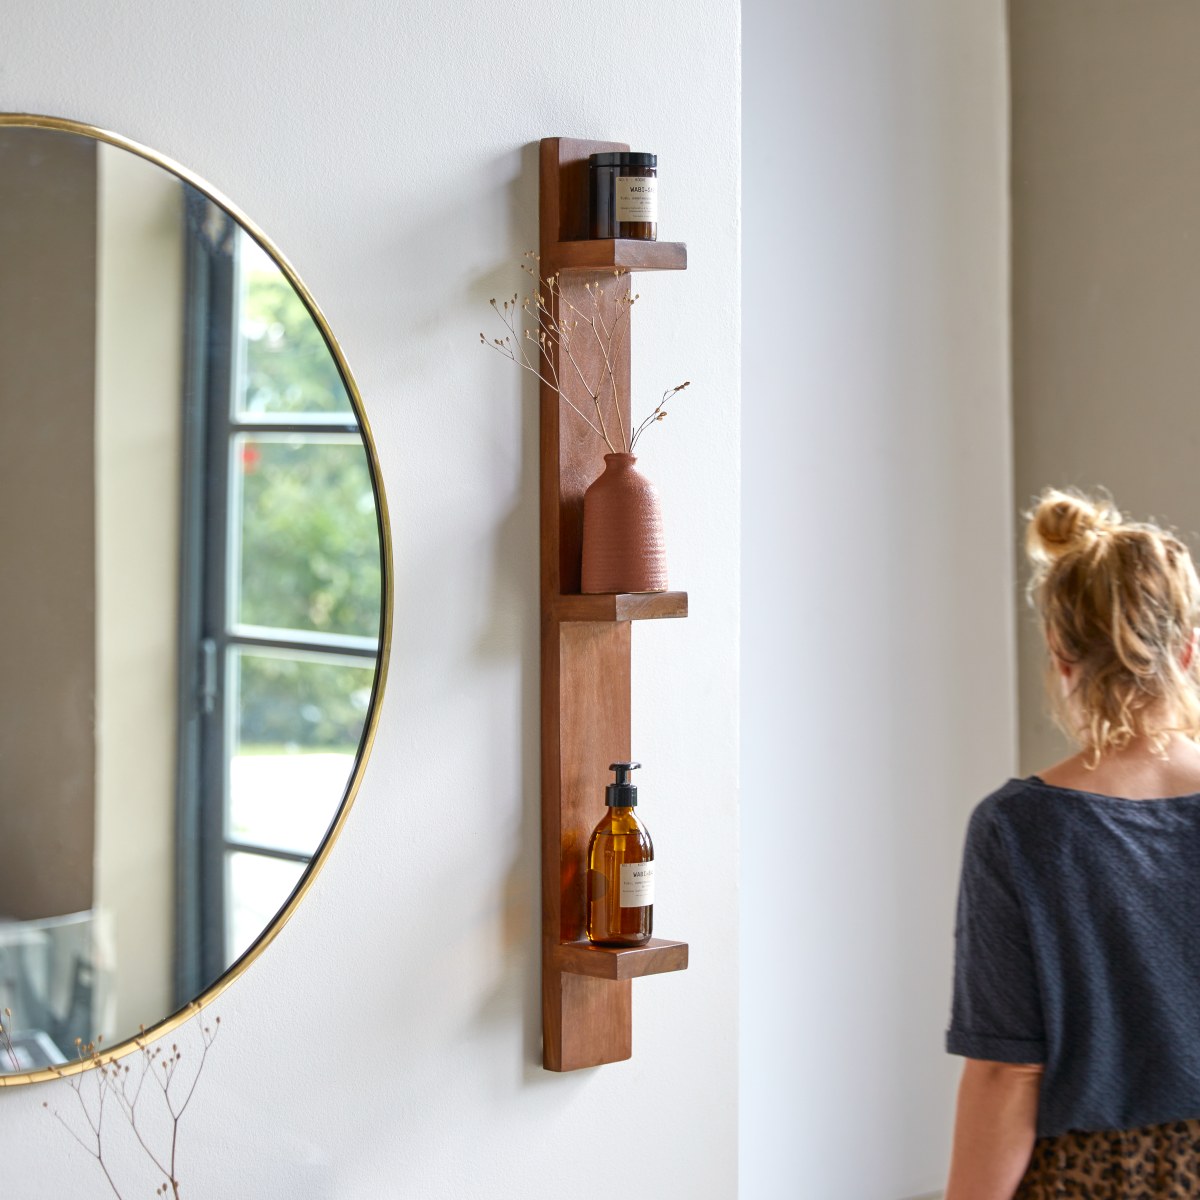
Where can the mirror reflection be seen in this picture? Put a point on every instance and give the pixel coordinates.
(191, 602)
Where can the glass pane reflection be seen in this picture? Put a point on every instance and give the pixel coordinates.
(287, 369)
(308, 557)
(291, 761)
(257, 888)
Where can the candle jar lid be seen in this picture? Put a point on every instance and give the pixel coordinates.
(622, 158)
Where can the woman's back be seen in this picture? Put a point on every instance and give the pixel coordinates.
(1078, 916)
(1077, 943)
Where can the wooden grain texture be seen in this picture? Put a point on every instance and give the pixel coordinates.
(621, 606)
(580, 451)
(594, 731)
(608, 254)
(587, 1013)
(598, 1021)
(564, 186)
(623, 962)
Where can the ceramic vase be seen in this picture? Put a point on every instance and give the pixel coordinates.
(622, 531)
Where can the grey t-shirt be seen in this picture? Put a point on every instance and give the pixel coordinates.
(1077, 945)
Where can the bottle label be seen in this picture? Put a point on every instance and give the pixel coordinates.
(636, 198)
(637, 884)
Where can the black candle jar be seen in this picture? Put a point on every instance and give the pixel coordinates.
(624, 195)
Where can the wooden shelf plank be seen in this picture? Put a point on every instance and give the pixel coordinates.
(612, 254)
(621, 606)
(623, 962)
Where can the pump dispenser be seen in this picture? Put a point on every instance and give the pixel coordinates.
(620, 879)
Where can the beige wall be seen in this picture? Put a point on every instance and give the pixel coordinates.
(1106, 272)
(138, 421)
(47, 572)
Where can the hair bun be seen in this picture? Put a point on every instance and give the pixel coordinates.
(1063, 522)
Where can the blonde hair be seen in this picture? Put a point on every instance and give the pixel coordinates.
(1118, 601)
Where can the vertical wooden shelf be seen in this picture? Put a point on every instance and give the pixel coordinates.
(586, 649)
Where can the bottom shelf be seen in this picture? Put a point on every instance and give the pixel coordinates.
(587, 998)
(622, 962)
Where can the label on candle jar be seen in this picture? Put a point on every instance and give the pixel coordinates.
(637, 884)
(636, 198)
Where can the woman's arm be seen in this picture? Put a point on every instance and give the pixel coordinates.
(994, 1130)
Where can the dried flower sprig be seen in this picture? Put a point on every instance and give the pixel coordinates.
(117, 1082)
(6, 1041)
(558, 323)
(658, 414)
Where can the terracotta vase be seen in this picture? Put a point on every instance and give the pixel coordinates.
(622, 531)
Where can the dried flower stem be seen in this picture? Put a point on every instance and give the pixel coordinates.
(505, 346)
(558, 323)
(116, 1082)
(659, 413)
(6, 1040)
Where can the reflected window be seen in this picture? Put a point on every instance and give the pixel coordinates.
(282, 639)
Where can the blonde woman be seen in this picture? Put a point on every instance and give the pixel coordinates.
(1076, 996)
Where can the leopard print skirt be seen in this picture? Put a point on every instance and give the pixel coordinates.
(1155, 1162)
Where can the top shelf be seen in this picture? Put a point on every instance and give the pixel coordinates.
(614, 254)
(563, 208)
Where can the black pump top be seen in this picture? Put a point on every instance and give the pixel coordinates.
(621, 794)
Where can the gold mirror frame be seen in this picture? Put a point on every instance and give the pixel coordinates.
(165, 1026)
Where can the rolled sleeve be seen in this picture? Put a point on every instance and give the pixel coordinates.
(996, 1011)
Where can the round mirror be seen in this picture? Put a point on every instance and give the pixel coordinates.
(195, 597)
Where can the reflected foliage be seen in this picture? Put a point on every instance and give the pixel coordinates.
(288, 366)
(310, 543)
(288, 703)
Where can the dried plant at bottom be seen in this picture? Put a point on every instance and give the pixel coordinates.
(562, 337)
(153, 1076)
(6, 1043)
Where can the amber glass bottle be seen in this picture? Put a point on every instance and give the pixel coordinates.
(623, 195)
(620, 879)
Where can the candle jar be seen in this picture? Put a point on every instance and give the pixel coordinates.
(624, 195)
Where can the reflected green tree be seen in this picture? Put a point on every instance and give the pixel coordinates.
(296, 705)
(310, 555)
(289, 368)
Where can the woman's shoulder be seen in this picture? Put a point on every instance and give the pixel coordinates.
(1026, 805)
(1007, 803)
(1012, 794)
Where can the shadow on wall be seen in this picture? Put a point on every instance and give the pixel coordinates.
(512, 626)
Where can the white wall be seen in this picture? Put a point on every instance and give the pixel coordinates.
(877, 614)
(387, 1043)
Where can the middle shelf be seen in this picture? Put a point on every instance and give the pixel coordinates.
(621, 606)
